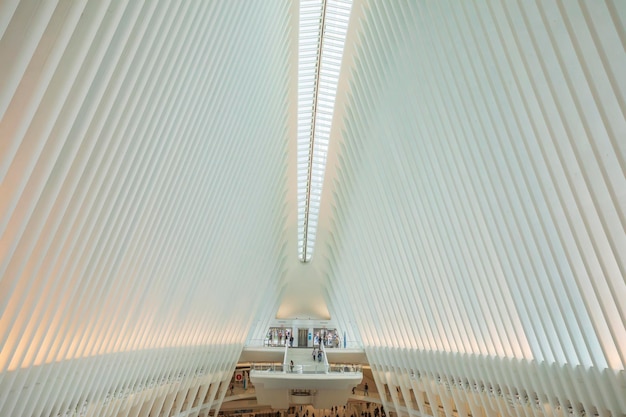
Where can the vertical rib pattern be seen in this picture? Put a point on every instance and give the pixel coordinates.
(143, 154)
(477, 233)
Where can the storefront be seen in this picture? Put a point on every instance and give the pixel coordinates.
(330, 337)
(278, 336)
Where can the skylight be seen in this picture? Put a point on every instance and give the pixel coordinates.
(323, 27)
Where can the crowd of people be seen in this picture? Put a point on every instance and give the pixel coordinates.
(378, 412)
(337, 411)
(282, 337)
(361, 409)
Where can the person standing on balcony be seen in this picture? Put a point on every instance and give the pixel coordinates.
(366, 390)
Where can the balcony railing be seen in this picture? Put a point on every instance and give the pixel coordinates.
(307, 369)
(267, 367)
(345, 369)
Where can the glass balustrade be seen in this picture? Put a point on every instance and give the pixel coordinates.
(307, 368)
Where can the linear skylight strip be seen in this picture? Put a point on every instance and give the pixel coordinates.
(308, 58)
(318, 74)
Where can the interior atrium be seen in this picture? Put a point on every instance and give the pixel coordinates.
(428, 196)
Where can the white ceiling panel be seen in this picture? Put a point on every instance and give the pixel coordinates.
(471, 232)
(144, 158)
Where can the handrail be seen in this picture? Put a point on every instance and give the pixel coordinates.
(285, 364)
(323, 349)
(317, 368)
(344, 368)
(267, 367)
(350, 344)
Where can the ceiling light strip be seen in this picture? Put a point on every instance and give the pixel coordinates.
(318, 75)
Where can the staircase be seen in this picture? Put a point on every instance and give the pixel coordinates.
(303, 361)
(309, 382)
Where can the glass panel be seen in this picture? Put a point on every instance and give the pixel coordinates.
(319, 63)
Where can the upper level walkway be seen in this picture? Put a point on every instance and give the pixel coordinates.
(307, 381)
(303, 356)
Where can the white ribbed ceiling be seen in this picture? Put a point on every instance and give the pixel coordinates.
(476, 234)
(472, 223)
(144, 152)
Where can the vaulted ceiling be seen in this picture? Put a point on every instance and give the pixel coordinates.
(472, 220)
